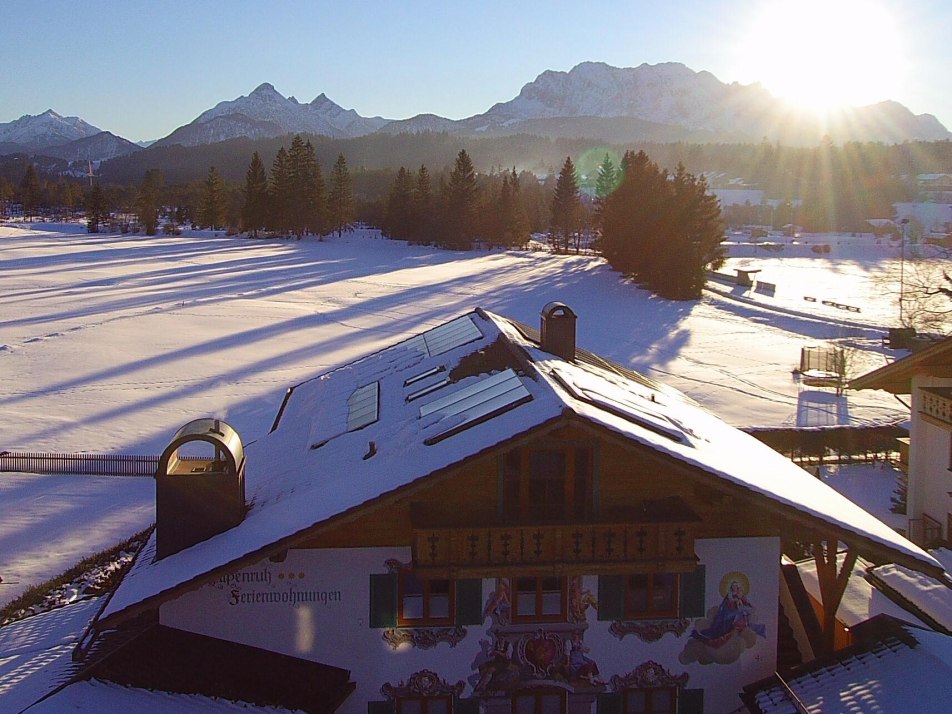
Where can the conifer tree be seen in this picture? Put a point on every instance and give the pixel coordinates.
(298, 182)
(605, 184)
(97, 212)
(214, 203)
(30, 191)
(315, 193)
(254, 212)
(516, 232)
(399, 221)
(663, 232)
(566, 207)
(340, 198)
(279, 190)
(422, 214)
(148, 201)
(459, 204)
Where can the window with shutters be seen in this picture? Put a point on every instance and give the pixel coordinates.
(651, 595)
(424, 705)
(544, 701)
(651, 700)
(539, 599)
(424, 601)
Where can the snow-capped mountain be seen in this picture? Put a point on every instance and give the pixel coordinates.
(673, 95)
(99, 147)
(36, 132)
(266, 112)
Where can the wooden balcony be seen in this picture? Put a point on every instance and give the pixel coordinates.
(937, 403)
(567, 549)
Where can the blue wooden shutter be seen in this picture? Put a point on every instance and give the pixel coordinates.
(692, 593)
(469, 601)
(611, 597)
(383, 600)
(690, 701)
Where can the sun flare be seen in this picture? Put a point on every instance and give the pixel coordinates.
(822, 55)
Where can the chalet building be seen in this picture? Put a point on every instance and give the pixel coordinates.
(483, 518)
(926, 376)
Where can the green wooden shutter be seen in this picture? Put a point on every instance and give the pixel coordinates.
(470, 705)
(387, 707)
(610, 703)
(692, 593)
(469, 601)
(383, 600)
(611, 597)
(690, 701)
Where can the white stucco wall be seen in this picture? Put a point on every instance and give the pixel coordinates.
(333, 627)
(930, 480)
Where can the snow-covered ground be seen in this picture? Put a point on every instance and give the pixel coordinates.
(109, 343)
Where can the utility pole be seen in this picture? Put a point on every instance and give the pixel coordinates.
(902, 267)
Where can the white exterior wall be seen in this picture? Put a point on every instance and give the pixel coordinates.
(334, 629)
(930, 480)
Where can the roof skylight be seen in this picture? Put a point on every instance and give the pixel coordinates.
(363, 406)
(476, 403)
(446, 337)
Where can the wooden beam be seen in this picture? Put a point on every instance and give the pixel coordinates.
(832, 582)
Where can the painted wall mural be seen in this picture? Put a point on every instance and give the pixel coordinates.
(520, 655)
(728, 629)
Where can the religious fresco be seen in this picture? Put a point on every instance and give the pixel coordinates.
(729, 627)
(520, 655)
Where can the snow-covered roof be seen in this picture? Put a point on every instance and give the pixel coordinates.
(896, 377)
(861, 600)
(96, 696)
(932, 597)
(448, 395)
(36, 652)
(908, 673)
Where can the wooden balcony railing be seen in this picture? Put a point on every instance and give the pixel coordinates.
(497, 549)
(937, 403)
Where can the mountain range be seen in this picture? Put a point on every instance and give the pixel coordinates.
(657, 103)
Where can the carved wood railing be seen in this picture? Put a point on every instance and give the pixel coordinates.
(937, 404)
(498, 548)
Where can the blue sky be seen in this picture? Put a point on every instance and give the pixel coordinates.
(141, 69)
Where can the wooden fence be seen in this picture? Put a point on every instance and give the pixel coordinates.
(89, 464)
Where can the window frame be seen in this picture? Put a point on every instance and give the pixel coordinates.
(537, 615)
(427, 620)
(518, 479)
(536, 694)
(649, 696)
(650, 613)
(425, 703)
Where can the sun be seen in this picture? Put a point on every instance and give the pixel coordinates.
(825, 54)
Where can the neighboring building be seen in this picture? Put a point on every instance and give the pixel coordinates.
(482, 518)
(927, 377)
(893, 667)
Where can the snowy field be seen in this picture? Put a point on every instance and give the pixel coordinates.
(109, 343)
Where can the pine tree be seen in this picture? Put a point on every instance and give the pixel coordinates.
(665, 233)
(398, 222)
(566, 207)
(516, 233)
(30, 191)
(279, 189)
(148, 201)
(605, 184)
(422, 220)
(254, 212)
(214, 201)
(97, 212)
(460, 204)
(315, 193)
(298, 184)
(341, 198)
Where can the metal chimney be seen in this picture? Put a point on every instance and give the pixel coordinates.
(558, 330)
